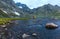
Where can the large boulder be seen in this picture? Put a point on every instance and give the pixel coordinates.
(51, 26)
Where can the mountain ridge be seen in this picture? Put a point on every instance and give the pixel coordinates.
(12, 9)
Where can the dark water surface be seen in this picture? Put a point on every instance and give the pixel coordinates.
(34, 26)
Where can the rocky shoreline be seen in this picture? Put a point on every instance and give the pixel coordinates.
(4, 32)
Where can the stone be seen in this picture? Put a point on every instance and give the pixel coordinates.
(34, 34)
(51, 26)
(3, 25)
(25, 35)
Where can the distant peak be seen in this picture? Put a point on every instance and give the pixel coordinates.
(56, 6)
(48, 5)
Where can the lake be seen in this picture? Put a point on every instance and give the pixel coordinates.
(34, 26)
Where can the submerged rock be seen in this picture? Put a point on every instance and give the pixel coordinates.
(51, 26)
(25, 35)
(34, 34)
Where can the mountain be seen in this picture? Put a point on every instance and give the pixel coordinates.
(9, 8)
(47, 10)
(24, 7)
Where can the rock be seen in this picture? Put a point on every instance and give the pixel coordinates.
(6, 29)
(25, 35)
(51, 26)
(3, 25)
(34, 34)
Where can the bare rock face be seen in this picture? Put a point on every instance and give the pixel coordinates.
(51, 26)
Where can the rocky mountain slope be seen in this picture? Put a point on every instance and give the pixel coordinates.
(9, 8)
(24, 7)
(47, 10)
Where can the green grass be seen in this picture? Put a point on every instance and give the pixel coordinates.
(6, 20)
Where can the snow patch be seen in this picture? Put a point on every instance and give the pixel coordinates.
(4, 11)
(17, 13)
(20, 7)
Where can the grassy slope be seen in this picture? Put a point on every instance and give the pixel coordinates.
(6, 20)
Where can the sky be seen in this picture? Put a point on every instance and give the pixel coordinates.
(36, 3)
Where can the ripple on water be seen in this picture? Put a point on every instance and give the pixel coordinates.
(42, 32)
